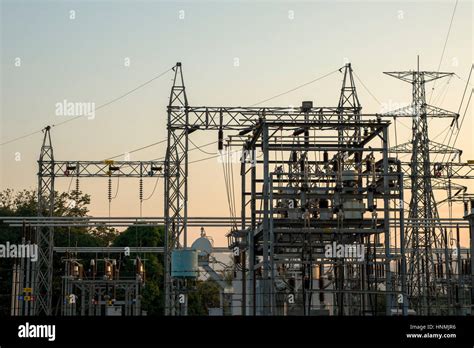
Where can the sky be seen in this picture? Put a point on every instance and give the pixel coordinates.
(234, 53)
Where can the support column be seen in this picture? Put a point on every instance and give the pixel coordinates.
(176, 183)
(266, 268)
(43, 268)
(386, 218)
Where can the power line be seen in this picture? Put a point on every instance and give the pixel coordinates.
(296, 88)
(135, 89)
(363, 85)
(194, 148)
(22, 137)
(462, 120)
(227, 189)
(377, 100)
(465, 88)
(459, 110)
(139, 149)
(204, 159)
(276, 96)
(199, 148)
(153, 192)
(97, 108)
(443, 92)
(440, 133)
(444, 47)
(444, 89)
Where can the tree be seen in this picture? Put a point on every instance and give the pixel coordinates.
(75, 204)
(25, 203)
(205, 295)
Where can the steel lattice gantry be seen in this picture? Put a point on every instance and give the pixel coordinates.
(345, 119)
(277, 236)
(49, 170)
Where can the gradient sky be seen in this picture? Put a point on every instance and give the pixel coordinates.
(82, 60)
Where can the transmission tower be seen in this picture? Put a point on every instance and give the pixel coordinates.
(349, 107)
(176, 184)
(43, 268)
(425, 272)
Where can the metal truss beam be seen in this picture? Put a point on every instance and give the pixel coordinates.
(107, 168)
(433, 147)
(240, 118)
(49, 170)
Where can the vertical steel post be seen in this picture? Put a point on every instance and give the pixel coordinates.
(266, 287)
(243, 172)
(402, 246)
(386, 218)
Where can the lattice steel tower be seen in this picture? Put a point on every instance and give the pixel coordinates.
(426, 240)
(349, 107)
(43, 268)
(176, 183)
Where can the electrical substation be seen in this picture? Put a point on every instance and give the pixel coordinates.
(333, 220)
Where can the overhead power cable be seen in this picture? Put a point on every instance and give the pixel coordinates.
(452, 127)
(97, 108)
(199, 147)
(368, 91)
(296, 88)
(462, 120)
(465, 88)
(204, 159)
(376, 99)
(444, 47)
(139, 149)
(194, 148)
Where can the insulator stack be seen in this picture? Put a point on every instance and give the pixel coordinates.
(76, 193)
(368, 164)
(294, 157)
(326, 157)
(110, 189)
(357, 157)
(335, 166)
(220, 140)
(141, 189)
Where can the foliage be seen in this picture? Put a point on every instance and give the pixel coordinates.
(75, 204)
(205, 296)
(25, 203)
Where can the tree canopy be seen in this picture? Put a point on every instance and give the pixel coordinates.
(74, 203)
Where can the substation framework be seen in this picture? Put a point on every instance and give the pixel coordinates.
(34, 280)
(95, 286)
(316, 196)
(312, 178)
(317, 188)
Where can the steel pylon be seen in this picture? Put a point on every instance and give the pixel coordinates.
(176, 183)
(425, 272)
(43, 268)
